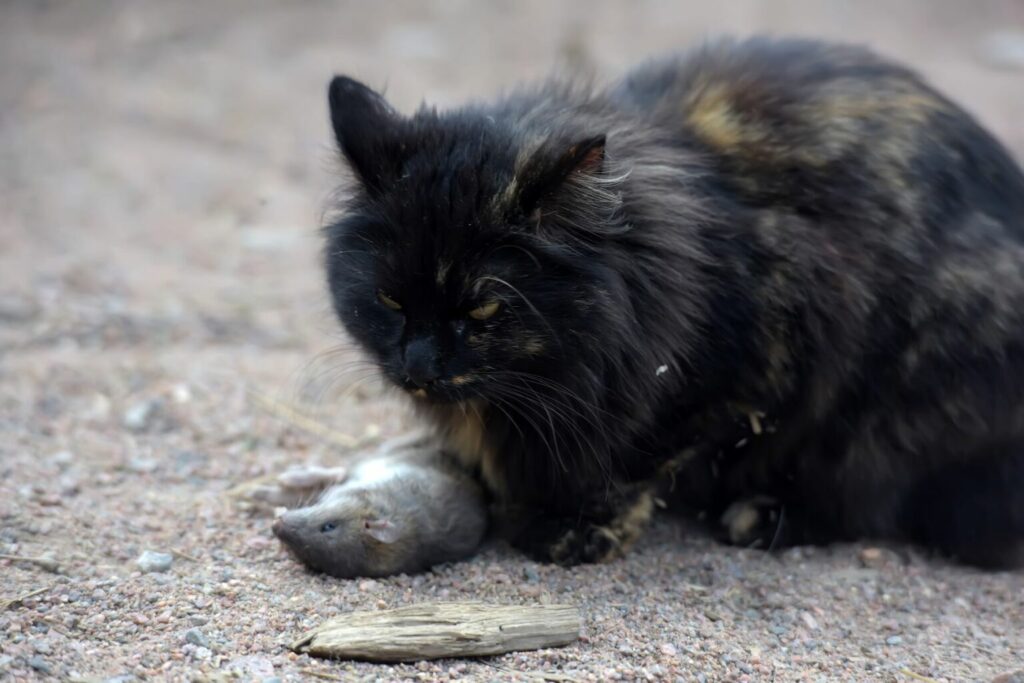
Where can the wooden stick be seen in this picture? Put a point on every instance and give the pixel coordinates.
(183, 555)
(4, 604)
(434, 630)
(321, 675)
(47, 563)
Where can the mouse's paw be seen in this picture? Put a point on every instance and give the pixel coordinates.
(297, 486)
(311, 477)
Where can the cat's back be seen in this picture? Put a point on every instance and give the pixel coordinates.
(823, 129)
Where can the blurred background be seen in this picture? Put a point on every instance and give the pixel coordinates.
(164, 334)
(165, 164)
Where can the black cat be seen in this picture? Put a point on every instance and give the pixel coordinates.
(787, 275)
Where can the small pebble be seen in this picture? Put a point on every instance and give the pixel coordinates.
(139, 416)
(62, 459)
(40, 665)
(196, 637)
(809, 621)
(894, 640)
(150, 561)
(142, 465)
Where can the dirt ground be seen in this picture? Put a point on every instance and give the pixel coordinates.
(163, 170)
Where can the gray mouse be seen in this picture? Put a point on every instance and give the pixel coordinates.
(396, 513)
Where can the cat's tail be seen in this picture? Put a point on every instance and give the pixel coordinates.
(973, 510)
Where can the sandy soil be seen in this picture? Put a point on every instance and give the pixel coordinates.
(163, 168)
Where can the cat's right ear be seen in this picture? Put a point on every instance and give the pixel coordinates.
(368, 131)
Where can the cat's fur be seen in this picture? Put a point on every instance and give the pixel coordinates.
(787, 273)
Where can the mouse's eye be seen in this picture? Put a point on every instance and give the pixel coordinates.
(328, 527)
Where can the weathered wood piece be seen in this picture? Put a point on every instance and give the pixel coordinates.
(435, 630)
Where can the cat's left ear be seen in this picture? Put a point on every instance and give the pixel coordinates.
(551, 167)
(368, 131)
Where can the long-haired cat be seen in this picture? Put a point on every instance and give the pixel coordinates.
(786, 275)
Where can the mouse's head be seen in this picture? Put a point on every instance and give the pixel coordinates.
(341, 538)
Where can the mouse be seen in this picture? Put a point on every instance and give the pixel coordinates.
(397, 512)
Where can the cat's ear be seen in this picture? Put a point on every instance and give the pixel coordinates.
(383, 530)
(553, 165)
(368, 131)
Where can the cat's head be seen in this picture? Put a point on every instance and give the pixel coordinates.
(463, 260)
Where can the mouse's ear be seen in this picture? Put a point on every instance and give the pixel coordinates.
(383, 530)
(368, 131)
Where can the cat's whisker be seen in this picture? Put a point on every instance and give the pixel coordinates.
(526, 300)
(513, 403)
(572, 400)
(559, 428)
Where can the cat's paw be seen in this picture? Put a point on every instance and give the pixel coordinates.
(567, 542)
(753, 523)
(587, 545)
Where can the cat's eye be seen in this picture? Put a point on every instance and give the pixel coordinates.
(388, 301)
(486, 311)
(328, 527)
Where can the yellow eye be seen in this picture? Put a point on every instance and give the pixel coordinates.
(486, 311)
(389, 302)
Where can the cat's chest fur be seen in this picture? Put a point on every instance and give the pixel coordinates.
(464, 431)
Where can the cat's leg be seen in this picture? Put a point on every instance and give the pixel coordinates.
(967, 505)
(972, 510)
(748, 499)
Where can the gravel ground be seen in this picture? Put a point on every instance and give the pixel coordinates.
(164, 167)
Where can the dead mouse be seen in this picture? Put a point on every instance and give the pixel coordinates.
(396, 512)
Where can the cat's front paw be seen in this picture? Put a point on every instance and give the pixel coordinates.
(568, 543)
(604, 532)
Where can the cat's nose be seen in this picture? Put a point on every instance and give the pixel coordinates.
(421, 364)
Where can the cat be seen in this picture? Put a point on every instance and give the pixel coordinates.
(785, 275)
